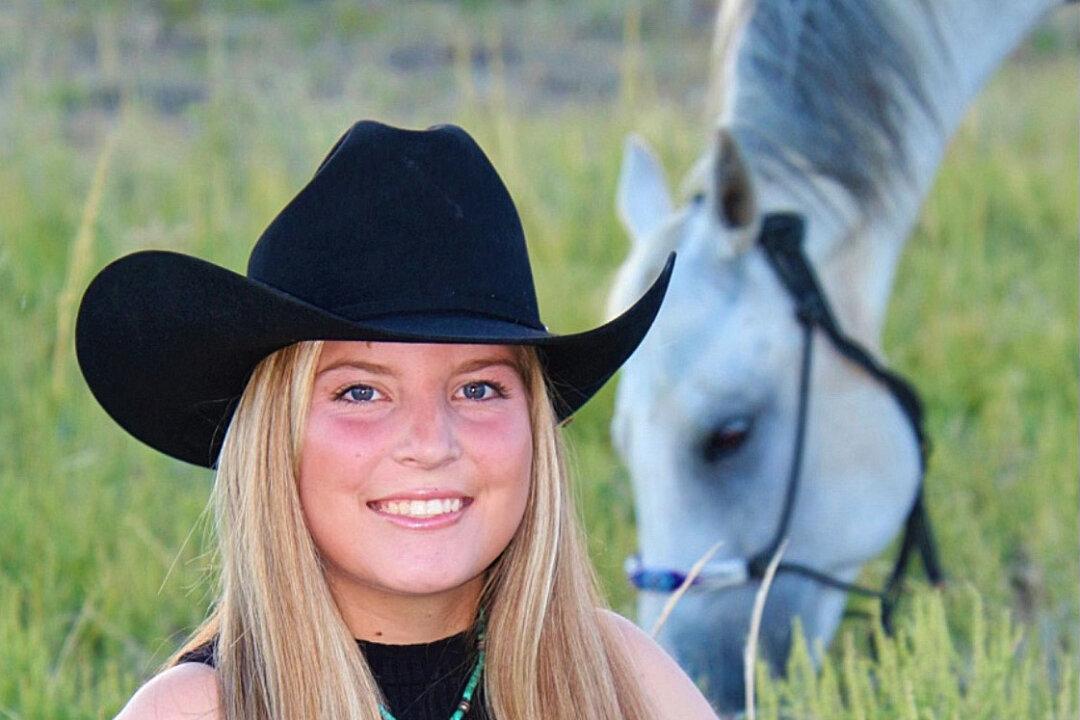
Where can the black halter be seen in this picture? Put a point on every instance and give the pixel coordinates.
(781, 239)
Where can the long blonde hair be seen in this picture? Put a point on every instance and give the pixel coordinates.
(548, 654)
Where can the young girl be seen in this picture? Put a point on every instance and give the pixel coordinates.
(381, 403)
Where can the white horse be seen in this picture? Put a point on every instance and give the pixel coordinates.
(840, 111)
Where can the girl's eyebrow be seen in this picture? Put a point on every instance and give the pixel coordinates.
(480, 363)
(377, 369)
(370, 367)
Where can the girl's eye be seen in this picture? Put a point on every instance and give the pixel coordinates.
(357, 393)
(477, 390)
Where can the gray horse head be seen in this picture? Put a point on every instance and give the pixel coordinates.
(705, 419)
(839, 111)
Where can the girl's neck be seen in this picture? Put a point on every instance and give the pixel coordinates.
(394, 619)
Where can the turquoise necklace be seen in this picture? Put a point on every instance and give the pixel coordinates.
(470, 687)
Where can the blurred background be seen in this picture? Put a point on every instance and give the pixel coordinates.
(188, 125)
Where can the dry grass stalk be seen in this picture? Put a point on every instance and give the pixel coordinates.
(79, 262)
(72, 637)
(750, 655)
(630, 64)
(463, 74)
(681, 590)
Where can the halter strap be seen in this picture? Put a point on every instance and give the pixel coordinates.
(781, 238)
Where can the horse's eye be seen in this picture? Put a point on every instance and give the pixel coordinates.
(724, 439)
(698, 197)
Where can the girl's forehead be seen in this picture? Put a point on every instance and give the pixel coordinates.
(402, 353)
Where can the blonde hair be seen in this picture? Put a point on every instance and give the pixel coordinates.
(548, 654)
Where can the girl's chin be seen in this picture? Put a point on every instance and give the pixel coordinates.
(418, 583)
(430, 584)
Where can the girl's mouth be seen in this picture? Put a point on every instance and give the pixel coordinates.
(432, 507)
(426, 512)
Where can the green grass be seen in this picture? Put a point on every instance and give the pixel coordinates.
(103, 565)
(927, 671)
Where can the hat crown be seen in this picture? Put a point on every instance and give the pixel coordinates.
(401, 222)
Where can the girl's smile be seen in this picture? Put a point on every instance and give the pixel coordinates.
(422, 509)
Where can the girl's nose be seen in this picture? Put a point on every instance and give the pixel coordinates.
(429, 434)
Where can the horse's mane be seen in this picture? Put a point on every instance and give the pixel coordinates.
(825, 88)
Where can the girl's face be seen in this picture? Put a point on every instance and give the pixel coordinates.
(415, 464)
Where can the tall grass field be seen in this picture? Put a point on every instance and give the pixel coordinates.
(187, 126)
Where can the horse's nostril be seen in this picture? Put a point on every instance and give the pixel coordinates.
(725, 439)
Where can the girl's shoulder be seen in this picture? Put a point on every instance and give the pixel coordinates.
(188, 690)
(664, 682)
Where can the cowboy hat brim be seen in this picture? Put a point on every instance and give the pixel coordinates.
(167, 343)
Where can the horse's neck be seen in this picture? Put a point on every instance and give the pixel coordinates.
(957, 44)
(976, 36)
(980, 34)
(962, 43)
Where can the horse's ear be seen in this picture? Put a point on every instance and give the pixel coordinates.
(735, 206)
(643, 201)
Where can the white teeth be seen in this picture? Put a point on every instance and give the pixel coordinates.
(421, 508)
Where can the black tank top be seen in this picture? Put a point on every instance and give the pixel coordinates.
(420, 682)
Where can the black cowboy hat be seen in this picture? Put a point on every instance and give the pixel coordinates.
(401, 235)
